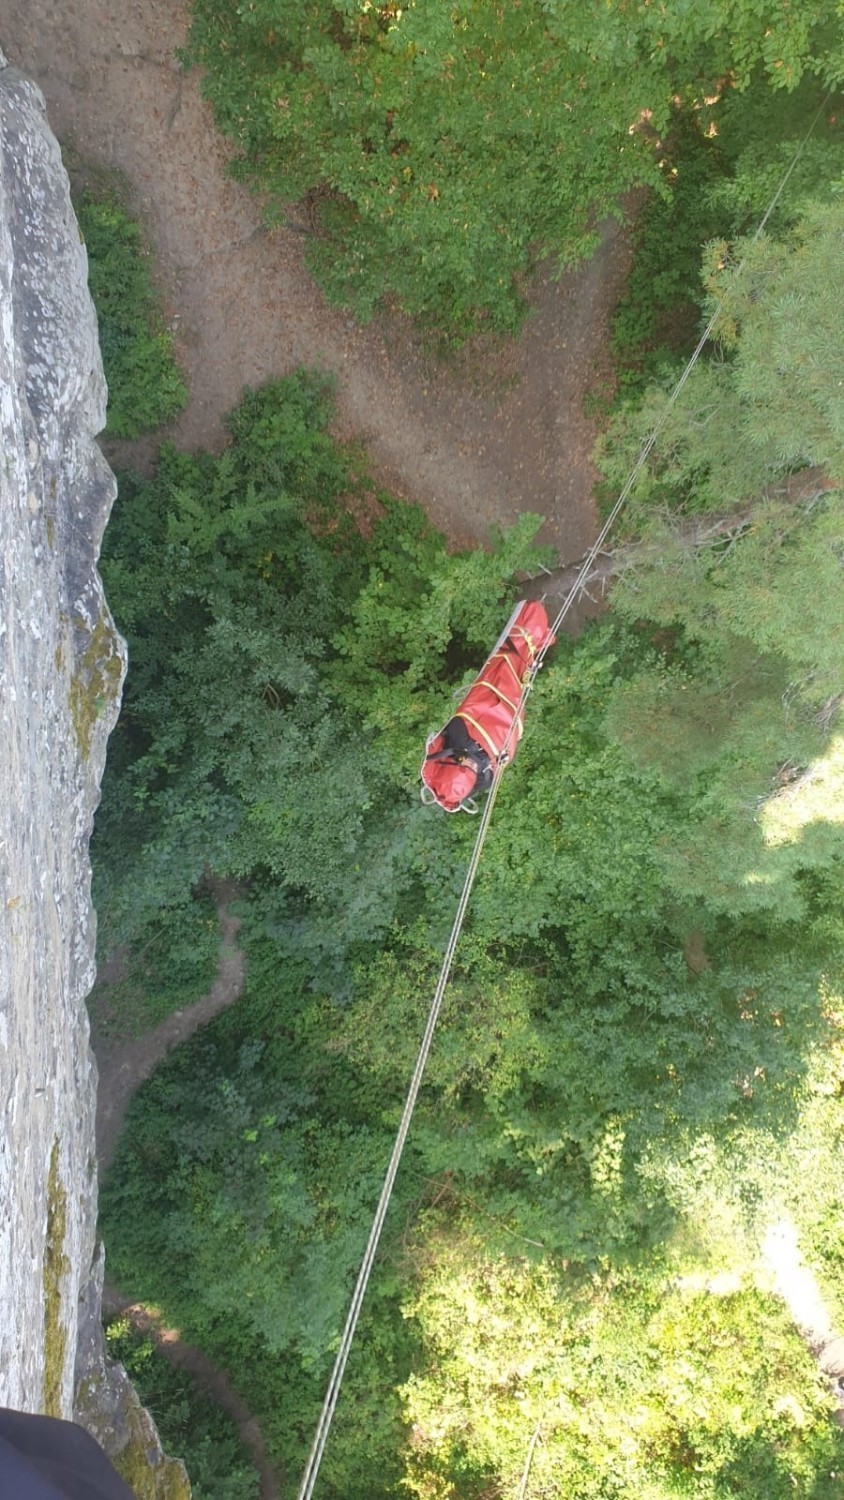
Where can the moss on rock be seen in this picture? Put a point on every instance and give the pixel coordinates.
(108, 1406)
(96, 682)
(148, 1473)
(56, 1265)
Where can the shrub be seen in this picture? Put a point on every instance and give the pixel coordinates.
(145, 385)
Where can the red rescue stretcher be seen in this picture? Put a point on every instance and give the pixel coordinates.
(485, 730)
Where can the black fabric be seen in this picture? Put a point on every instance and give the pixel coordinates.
(42, 1458)
(458, 740)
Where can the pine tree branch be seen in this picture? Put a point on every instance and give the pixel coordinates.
(801, 490)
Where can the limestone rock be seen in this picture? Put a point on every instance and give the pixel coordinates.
(61, 667)
(61, 671)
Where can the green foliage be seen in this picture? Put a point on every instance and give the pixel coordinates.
(439, 152)
(741, 706)
(227, 600)
(633, 1389)
(785, 319)
(639, 1065)
(190, 1423)
(760, 135)
(574, 1013)
(264, 632)
(422, 613)
(721, 162)
(435, 149)
(145, 386)
(656, 318)
(771, 404)
(171, 965)
(243, 1207)
(254, 1193)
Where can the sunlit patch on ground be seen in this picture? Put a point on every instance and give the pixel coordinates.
(817, 796)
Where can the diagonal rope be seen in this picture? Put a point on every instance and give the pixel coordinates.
(315, 1457)
(311, 1472)
(648, 445)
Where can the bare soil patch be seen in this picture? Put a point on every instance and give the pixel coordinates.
(500, 432)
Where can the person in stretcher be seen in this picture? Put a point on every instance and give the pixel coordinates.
(484, 732)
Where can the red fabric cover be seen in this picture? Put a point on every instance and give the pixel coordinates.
(489, 708)
(450, 782)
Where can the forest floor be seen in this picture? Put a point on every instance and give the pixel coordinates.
(122, 1070)
(124, 1066)
(496, 431)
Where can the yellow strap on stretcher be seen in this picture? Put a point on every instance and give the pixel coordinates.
(479, 730)
(505, 656)
(519, 630)
(482, 682)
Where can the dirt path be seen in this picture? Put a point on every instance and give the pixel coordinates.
(122, 1070)
(506, 435)
(182, 1356)
(125, 1067)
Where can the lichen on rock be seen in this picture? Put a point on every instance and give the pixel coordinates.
(95, 684)
(55, 495)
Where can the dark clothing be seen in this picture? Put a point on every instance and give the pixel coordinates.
(42, 1458)
(460, 745)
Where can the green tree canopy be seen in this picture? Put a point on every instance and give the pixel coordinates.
(145, 385)
(440, 149)
(269, 640)
(641, 1059)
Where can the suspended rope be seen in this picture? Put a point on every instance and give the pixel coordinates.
(309, 1478)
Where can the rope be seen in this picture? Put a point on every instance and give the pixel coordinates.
(311, 1472)
(648, 445)
(312, 1468)
(529, 1459)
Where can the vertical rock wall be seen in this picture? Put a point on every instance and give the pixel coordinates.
(61, 668)
(61, 671)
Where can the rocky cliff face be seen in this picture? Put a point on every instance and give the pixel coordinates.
(61, 669)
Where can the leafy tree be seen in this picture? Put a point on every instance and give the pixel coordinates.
(254, 1192)
(641, 1050)
(619, 1387)
(145, 386)
(721, 161)
(770, 405)
(440, 150)
(747, 689)
(246, 744)
(189, 1421)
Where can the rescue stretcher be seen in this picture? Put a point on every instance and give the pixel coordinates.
(463, 756)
